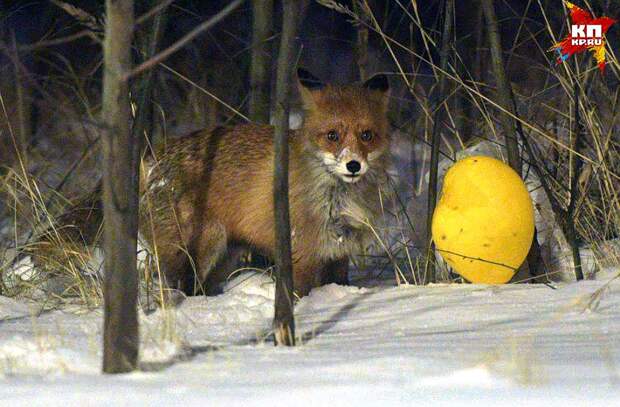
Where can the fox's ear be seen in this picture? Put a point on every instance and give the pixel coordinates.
(377, 82)
(380, 86)
(309, 81)
(308, 85)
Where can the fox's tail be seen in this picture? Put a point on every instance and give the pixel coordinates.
(78, 226)
(83, 220)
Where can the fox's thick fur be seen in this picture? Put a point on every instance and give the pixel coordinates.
(204, 194)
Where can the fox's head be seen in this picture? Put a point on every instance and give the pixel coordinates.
(346, 127)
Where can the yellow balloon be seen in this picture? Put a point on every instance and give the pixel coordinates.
(483, 224)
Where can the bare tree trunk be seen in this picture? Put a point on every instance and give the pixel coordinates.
(503, 87)
(23, 101)
(473, 68)
(436, 138)
(361, 43)
(480, 67)
(260, 74)
(284, 321)
(120, 195)
(260, 81)
(576, 164)
(147, 40)
(24, 114)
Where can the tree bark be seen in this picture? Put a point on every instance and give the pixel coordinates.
(260, 80)
(436, 138)
(23, 102)
(120, 195)
(361, 42)
(260, 73)
(576, 164)
(503, 86)
(284, 321)
(147, 40)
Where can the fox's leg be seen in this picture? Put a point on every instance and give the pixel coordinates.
(306, 275)
(309, 272)
(228, 263)
(336, 271)
(167, 244)
(174, 263)
(208, 249)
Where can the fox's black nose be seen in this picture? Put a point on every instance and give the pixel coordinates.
(354, 166)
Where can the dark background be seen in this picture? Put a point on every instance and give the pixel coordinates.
(220, 58)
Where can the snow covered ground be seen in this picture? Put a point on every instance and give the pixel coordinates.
(442, 344)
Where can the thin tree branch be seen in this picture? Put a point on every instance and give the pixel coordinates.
(59, 41)
(186, 39)
(576, 164)
(503, 87)
(155, 10)
(436, 138)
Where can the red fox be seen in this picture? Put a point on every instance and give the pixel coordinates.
(205, 195)
(211, 191)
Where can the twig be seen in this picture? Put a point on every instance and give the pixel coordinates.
(59, 41)
(155, 10)
(576, 164)
(503, 86)
(183, 41)
(478, 259)
(436, 138)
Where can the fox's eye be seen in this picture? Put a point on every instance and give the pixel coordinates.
(366, 135)
(332, 135)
